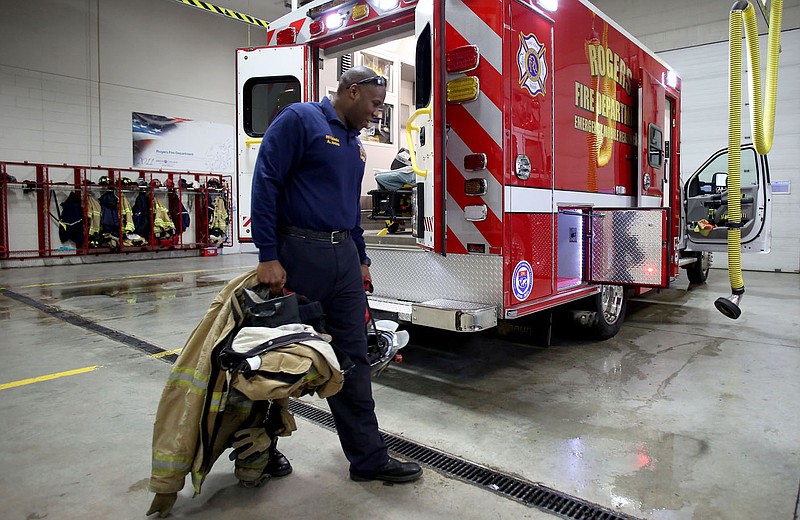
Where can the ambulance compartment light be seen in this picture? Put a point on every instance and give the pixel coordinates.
(549, 5)
(286, 36)
(463, 59)
(671, 79)
(388, 5)
(475, 186)
(333, 21)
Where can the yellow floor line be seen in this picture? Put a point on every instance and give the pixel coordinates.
(23, 382)
(97, 280)
(166, 353)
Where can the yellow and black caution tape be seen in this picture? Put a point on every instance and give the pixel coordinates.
(239, 17)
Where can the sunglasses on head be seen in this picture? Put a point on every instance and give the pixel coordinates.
(378, 80)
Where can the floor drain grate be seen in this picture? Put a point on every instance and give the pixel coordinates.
(509, 486)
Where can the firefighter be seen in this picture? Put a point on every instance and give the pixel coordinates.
(306, 221)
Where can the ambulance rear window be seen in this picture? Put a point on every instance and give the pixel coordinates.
(264, 98)
(424, 79)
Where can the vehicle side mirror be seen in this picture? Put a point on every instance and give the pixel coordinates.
(719, 182)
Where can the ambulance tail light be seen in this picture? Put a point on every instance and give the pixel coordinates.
(462, 90)
(475, 186)
(474, 162)
(463, 59)
(316, 27)
(476, 213)
(286, 36)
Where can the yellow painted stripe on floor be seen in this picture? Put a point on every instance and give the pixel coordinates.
(23, 382)
(116, 278)
(166, 353)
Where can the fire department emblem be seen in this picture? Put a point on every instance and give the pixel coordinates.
(532, 67)
(522, 280)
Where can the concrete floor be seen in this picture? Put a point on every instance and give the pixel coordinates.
(684, 415)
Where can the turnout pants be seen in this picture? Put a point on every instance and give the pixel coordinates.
(331, 274)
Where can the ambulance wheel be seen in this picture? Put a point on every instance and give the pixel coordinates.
(697, 272)
(610, 305)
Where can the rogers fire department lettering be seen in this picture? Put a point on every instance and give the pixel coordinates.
(605, 62)
(593, 127)
(600, 105)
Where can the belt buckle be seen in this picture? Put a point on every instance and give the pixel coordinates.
(333, 237)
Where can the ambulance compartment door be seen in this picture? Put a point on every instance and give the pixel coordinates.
(628, 246)
(706, 204)
(259, 98)
(650, 190)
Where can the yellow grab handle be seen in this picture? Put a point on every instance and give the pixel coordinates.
(252, 140)
(409, 129)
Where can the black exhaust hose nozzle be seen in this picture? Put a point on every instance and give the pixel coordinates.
(730, 306)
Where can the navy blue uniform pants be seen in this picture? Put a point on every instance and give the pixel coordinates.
(331, 274)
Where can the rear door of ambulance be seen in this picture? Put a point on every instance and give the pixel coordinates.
(267, 80)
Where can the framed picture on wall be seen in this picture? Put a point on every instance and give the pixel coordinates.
(380, 65)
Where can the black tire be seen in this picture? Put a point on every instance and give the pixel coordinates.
(610, 304)
(697, 272)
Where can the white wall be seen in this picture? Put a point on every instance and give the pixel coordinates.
(693, 38)
(72, 71)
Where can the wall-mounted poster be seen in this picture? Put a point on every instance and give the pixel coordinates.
(175, 143)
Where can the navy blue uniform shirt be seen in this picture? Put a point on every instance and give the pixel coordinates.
(308, 174)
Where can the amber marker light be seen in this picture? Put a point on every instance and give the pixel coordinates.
(475, 186)
(462, 90)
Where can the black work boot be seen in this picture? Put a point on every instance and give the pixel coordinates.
(278, 465)
(392, 471)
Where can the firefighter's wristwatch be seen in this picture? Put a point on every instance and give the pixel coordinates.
(366, 261)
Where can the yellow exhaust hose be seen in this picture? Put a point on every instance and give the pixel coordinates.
(763, 125)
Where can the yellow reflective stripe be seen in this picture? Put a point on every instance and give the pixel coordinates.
(189, 385)
(165, 464)
(259, 463)
(179, 371)
(216, 400)
(243, 408)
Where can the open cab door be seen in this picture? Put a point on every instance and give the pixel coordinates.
(267, 80)
(706, 204)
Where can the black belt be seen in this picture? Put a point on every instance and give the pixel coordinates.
(334, 237)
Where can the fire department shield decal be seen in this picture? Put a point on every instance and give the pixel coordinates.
(522, 281)
(532, 67)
